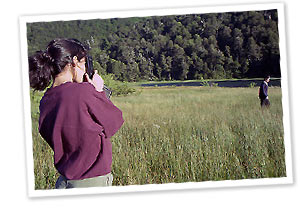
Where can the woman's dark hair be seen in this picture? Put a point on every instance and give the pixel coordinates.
(45, 65)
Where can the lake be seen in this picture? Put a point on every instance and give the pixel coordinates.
(221, 83)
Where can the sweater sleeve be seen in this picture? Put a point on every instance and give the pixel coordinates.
(265, 90)
(104, 112)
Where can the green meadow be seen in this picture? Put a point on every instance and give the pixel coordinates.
(185, 134)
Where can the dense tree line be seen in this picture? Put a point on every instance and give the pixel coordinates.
(177, 47)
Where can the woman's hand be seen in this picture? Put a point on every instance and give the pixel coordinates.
(97, 81)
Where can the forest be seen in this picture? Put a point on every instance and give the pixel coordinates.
(174, 47)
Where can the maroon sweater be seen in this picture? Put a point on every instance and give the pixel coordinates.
(77, 122)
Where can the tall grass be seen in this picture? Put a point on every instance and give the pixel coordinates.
(188, 134)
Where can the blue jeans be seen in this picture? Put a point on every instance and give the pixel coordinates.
(99, 181)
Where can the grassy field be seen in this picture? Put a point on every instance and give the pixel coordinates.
(186, 134)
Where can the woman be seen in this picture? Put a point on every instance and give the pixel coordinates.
(76, 118)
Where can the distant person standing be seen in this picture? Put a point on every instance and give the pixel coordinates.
(263, 93)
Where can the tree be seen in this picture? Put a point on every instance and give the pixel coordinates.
(253, 50)
(100, 57)
(166, 65)
(117, 68)
(232, 44)
(179, 65)
(224, 37)
(238, 41)
(196, 67)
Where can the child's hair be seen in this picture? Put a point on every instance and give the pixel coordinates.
(45, 65)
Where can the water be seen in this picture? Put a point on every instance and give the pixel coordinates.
(227, 83)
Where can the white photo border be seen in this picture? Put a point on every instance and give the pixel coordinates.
(23, 20)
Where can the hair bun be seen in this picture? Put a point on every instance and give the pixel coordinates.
(48, 57)
(41, 67)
